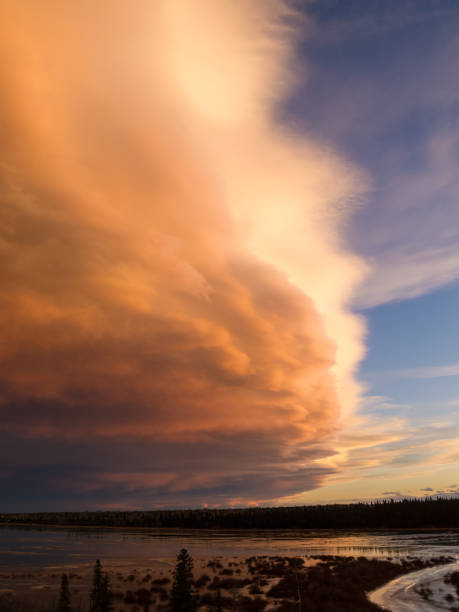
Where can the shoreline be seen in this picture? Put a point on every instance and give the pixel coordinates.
(420, 590)
(311, 530)
(264, 582)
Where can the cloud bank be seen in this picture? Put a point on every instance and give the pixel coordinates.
(174, 289)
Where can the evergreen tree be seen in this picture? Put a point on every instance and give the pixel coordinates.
(96, 587)
(64, 595)
(105, 595)
(181, 597)
(101, 597)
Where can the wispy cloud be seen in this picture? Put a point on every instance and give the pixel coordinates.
(409, 140)
(426, 372)
(408, 263)
(431, 372)
(378, 449)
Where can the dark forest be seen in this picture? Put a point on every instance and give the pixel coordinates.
(387, 514)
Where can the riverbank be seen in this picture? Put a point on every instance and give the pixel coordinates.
(428, 589)
(318, 583)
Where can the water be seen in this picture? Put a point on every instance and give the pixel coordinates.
(40, 551)
(403, 594)
(35, 546)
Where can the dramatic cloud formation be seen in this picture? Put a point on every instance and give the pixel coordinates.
(174, 290)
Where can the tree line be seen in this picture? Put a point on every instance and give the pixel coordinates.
(407, 513)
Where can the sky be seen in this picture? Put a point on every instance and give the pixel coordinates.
(228, 252)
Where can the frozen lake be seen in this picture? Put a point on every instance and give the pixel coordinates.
(40, 551)
(39, 546)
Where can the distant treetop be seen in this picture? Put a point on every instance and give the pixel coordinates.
(405, 514)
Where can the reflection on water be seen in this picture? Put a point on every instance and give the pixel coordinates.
(54, 546)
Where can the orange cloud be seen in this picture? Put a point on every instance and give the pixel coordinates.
(171, 263)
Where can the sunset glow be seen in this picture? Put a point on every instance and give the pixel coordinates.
(205, 277)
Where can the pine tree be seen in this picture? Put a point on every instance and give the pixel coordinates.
(64, 595)
(101, 597)
(181, 597)
(105, 595)
(96, 587)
